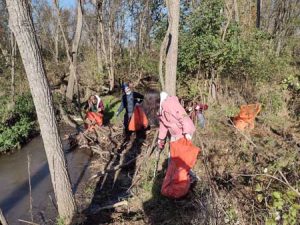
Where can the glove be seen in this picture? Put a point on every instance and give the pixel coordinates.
(188, 136)
(160, 144)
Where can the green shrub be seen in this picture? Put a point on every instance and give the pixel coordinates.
(272, 101)
(13, 137)
(4, 109)
(24, 106)
(19, 126)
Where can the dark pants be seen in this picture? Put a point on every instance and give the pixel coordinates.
(126, 124)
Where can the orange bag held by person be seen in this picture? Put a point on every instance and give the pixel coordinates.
(138, 120)
(246, 117)
(176, 183)
(94, 117)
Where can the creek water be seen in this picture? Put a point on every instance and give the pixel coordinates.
(14, 182)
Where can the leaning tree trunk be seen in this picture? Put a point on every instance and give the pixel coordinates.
(22, 27)
(172, 46)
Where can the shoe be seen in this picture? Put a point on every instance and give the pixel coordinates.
(193, 177)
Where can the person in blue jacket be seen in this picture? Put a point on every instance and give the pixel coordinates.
(128, 102)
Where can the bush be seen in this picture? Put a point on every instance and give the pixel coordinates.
(24, 106)
(17, 129)
(272, 101)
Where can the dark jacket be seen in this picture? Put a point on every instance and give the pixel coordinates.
(129, 101)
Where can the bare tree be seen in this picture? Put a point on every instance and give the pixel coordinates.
(72, 53)
(172, 46)
(22, 26)
(107, 51)
(162, 57)
(5, 54)
(236, 11)
(111, 43)
(13, 59)
(258, 8)
(56, 36)
(98, 46)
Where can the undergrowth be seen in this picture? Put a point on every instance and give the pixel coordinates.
(18, 124)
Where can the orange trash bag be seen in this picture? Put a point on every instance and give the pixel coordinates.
(94, 117)
(246, 117)
(176, 183)
(138, 120)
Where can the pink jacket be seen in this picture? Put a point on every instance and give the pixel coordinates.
(174, 119)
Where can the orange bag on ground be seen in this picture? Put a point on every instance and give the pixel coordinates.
(246, 117)
(138, 120)
(94, 117)
(176, 183)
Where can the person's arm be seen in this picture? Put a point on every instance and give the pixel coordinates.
(101, 107)
(121, 108)
(138, 96)
(188, 127)
(163, 130)
(87, 106)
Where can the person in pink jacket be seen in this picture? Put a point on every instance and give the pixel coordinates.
(173, 119)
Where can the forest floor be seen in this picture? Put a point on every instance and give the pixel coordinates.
(245, 178)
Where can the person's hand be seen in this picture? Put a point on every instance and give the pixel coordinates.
(90, 104)
(160, 144)
(188, 136)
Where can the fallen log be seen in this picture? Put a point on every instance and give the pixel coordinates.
(28, 222)
(118, 167)
(66, 118)
(118, 204)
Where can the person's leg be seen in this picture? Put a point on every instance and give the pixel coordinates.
(127, 133)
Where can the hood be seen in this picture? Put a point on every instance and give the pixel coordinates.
(169, 103)
(98, 100)
(163, 97)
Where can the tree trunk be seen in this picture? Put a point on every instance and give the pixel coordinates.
(5, 54)
(108, 60)
(236, 11)
(13, 59)
(228, 18)
(163, 48)
(172, 46)
(73, 80)
(98, 50)
(111, 59)
(258, 7)
(22, 27)
(111, 43)
(56, 39)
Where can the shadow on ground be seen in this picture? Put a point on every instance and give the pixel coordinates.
(190, 209)
(113, 187)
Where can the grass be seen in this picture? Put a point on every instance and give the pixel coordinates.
(60, 221)
(112, 104)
